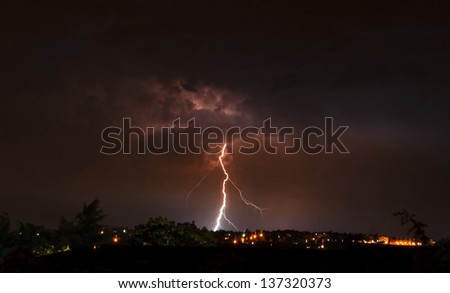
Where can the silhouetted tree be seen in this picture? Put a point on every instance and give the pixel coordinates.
(417, 228)
(66, 235)
(162, 232)
(36, 239)
(158, 231)
(187, 234)
(87, 222)
(83, 231)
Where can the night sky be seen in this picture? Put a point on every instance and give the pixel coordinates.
(69, 71)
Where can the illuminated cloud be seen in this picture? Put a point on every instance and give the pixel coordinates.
(151, 102)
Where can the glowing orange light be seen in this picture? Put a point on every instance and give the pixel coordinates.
(115, 239)
(261, 235)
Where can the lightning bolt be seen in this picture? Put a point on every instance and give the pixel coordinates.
(246, 201)
(199, 183)
(227, 179)
(223, 207)
(224, 192)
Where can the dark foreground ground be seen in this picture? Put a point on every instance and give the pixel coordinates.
(231, 259)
